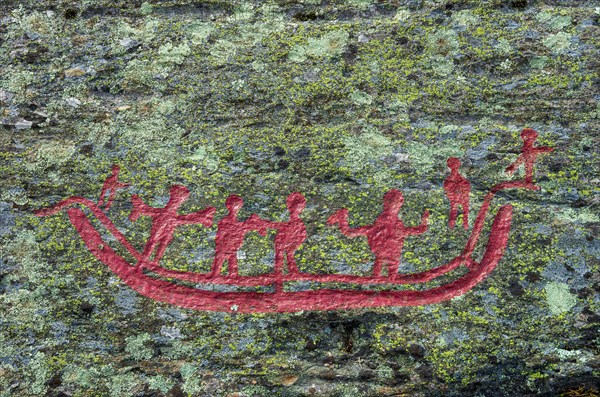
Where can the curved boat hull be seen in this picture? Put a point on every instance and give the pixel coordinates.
(281, 301)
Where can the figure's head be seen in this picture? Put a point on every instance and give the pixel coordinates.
(115, 168)
(179, 193)
(295, 203)
(529, 135)
(234, 203)
(393, 200)
(453, 163)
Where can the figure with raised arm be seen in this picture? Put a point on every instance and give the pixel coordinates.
(385, 236)
(111, 184)
(166, 219)
(290, 234)
(528, 155)
(457, 190)
(230, 236)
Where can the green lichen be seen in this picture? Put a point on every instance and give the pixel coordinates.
(161, 383)
(426, 156)
(364, 155)
(441, 65)
(169, 54)
(466, 18)
(17, 81)
(199, 31)
(556, 22)
(157, 140)
(361, 98)
(146, 8)
(39, 374)
(123, 385)
(361, 4)
(584, 215)
(402, 14)
(138, 346)
(192, 381)
(206, 157)
(49, 154)
(328, 45)
(559, 42)
(538, 62)
(444, 42)
(558, 297)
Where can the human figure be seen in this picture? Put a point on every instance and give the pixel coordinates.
(166, 219)
(457, 190)
(290, 234)
(230, 236)
(528, 155)
(111, 184)
(385, 236)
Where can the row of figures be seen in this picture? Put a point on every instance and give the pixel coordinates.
(385, 236)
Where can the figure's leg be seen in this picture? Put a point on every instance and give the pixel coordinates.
(453, 215)
(292, 268)
(394, 261)
(111, 198)
(465, 209)
(278, 261)
(215, 270)
(393, 268)
(148, 250)
(162, 247)
(155, 253)
(529, 171)
(377, 266)
(233, 265)
(102, 194)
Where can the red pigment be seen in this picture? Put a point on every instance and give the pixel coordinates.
(457, 190)
(385, 238)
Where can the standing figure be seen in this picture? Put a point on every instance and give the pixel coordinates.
(111, 183)
(230, 236)
(457, 190)
(290, 235)
(385, 236)
(528, 155)
(166, 219)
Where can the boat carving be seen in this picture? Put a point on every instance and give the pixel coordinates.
(385, 238)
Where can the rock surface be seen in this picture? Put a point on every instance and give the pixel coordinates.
(340, 101)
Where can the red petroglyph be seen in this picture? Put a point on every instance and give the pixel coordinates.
(230, 236)
(110, 187)
(528, 155)
(457, 190)
(165, 220)
(385, 238)
(290, 235)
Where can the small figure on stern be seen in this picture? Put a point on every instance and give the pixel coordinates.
(528, 155)
(290, 235)
(457, 190)
(230, 236)
(166, 219)
(385, 236)
(111, 184)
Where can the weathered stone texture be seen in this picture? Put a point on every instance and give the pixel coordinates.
(341, 101)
